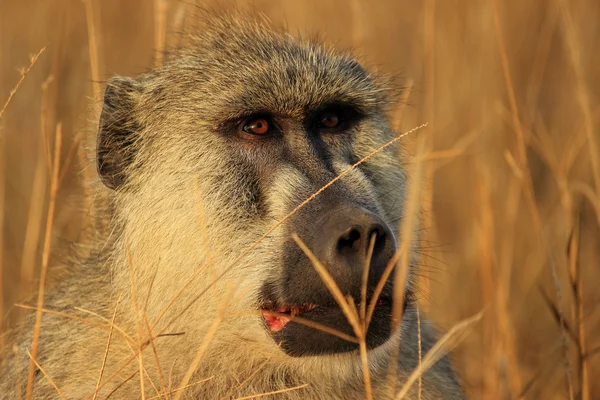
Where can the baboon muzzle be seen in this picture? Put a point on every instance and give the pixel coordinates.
(346, 240)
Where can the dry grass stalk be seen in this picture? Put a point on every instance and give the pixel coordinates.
(503, 288)
(45, 259)
(584, 363)
(583, 97)
(587, 191)
(93, 51)
(379, 288)
(407, 229)
(120, 385)
(34, 225)
(115, 374)
(509, 86)
(358, 24)
(106, 351)
(247, 379)
(446, 343)
(75, 318)
(70, 157)
(496, 277)
(179, 17)
(540, 62)
(365, 367)
(160, 29)
(333, 288)
(58, 391)
(397, 120)
(364, 282)
(429, 66)
(352, 305)
(420, 350)
(206, 341)
(151, 335)
(580, 139)
(127, 362)
(23, 75)
(185, 387)
(348, 308)
(171, 375)
(527, 182)
(158, 367)
(179, 23)
(129, 339)
(152, 382)
(445, 154)
(256, 396)
(2, 194)
(85, 171)
(408, 225)
(429, 59)
(138, 322)
(44, 122)
(577, 310)
(110, 325)
(485, 233)
(150, 285)
(457, 150)
(316, 325)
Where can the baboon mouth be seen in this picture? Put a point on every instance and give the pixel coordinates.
(295, 327)
(277, 316)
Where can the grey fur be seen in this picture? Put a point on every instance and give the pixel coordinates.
(186, 194)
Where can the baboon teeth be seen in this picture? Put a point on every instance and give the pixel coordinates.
(278, 316)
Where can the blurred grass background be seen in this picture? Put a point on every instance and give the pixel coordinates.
(511, 90)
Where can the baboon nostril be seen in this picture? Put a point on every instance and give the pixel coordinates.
(380, 238)
(350, 240)
(343, 243)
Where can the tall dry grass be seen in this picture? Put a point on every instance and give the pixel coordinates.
(510, 159)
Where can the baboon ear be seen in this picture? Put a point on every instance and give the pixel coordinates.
(117, 130)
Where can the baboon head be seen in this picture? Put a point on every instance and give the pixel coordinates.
(206, 153)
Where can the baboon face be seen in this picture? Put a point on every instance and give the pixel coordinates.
(244, 124)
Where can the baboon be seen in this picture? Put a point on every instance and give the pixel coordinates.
(200, 157)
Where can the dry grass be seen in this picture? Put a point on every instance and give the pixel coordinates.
(106, 352)
(445, 344)
(58, 391)
(509, 164)
(45, 258)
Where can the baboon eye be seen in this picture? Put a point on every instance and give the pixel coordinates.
(330, 119)
(337, 118)
(257, 126)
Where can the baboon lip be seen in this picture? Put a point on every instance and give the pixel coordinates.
(278, 315)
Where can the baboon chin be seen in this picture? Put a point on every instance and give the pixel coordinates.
(217, 164)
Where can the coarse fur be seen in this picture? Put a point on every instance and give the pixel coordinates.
(188, 195)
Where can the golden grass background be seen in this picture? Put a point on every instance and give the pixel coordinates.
(511, 91)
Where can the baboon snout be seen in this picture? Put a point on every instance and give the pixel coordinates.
(343, 246)
(340, 236)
